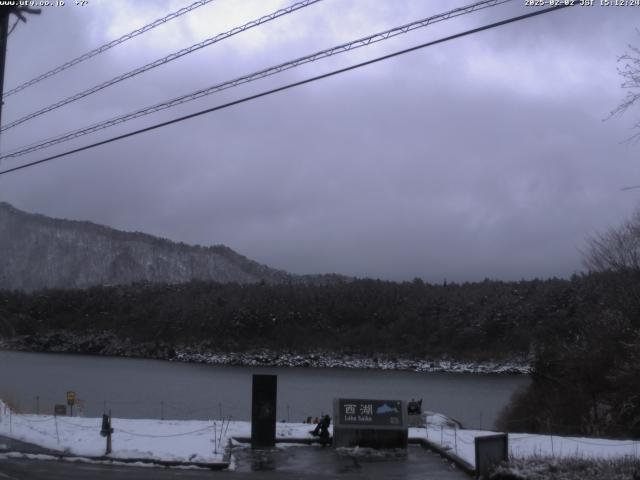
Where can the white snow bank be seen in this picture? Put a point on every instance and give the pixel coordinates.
(523, 445)
(198, 441)
(206, 441)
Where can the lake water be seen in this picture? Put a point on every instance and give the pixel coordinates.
(138, 388)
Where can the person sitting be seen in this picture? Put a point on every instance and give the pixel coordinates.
(414, 407)
(322, 430)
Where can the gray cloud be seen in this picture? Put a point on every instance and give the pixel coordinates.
(483, 157)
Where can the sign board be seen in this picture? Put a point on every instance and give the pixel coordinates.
(370, 423)
(71, 398)
(491, 450)
(381, 413)
(59, 409)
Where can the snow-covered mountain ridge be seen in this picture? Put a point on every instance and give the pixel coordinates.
(38, 252)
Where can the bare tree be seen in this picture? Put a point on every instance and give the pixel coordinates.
(617, 249)
(629, 70)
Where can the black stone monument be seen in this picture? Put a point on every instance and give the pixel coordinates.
(263, 411)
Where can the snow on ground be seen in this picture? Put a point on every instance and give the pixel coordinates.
(201, 441)
(206, 441)
(523, 445)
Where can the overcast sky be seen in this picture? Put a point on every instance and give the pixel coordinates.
(486, 156)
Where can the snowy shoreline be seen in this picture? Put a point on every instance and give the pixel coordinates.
(331, 360)
(106, 344)
(211, 441)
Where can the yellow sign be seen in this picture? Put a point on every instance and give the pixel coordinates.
(71, 398)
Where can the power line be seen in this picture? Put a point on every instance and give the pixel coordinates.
(345, 47)
(107, 46)
(161, 61)
(13, 27)
(290, 85)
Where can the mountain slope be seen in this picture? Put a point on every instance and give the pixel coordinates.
(42, 252)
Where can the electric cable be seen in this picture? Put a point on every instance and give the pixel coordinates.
(105, 47)
(345, 47)
(161, 61)
(289, 86)
(13, 27)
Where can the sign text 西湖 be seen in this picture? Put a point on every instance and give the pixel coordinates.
(370, 412)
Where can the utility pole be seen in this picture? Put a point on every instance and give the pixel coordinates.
(4, 33)
(5, 12)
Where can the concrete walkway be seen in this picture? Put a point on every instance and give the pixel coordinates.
(292, 462)
(318, 462)
(10, 445)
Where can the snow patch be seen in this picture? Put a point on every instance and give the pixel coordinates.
(527, 445)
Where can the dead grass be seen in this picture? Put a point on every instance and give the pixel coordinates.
(547, 468)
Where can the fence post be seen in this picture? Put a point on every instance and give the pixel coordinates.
(215, 439)
(55, 420)
(426, 425)
(109, 435)
(455, 438)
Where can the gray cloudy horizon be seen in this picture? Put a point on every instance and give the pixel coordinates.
(483, 157)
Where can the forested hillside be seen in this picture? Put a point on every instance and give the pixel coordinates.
(465, 321)
(582, 334)
(586, 375)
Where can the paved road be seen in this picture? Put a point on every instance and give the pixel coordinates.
(10, 445)
(282, 463)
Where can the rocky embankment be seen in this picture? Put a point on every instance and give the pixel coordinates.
(105, 343)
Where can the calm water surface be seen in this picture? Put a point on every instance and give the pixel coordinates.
(138, 388)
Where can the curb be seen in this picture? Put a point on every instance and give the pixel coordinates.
(302, 440)
(105, 459)
(164, 463)
(452, 457)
